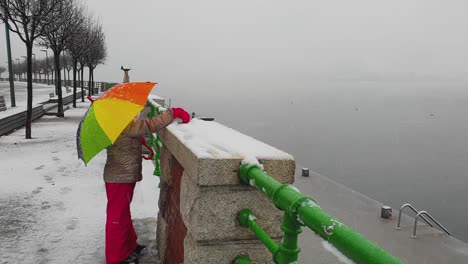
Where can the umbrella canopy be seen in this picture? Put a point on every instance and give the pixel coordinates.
(108, 116)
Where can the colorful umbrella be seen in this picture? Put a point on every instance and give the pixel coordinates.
(108, 116)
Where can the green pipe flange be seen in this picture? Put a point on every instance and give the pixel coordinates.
(244, 171)
(244, 217)
(292, 210)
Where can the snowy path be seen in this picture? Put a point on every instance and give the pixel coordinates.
(52, 207)
(40, 94)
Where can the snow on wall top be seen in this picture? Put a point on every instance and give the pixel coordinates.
(153, 96)
(209, 139)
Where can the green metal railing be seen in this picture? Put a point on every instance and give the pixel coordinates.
(300, 210)
(154, 141)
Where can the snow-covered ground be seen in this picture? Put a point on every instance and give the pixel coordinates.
(40, 94)
(52, 207)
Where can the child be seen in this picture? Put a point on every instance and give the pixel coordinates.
(121, 172)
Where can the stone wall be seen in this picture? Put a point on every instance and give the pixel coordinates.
(199, 201)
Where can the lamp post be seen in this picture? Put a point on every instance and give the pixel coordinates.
(47, 66)
(10, 64)
(18, 69)
(25, 63)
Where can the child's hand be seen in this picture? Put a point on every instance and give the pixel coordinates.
(181, 113)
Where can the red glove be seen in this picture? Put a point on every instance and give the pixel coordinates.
(181, 113)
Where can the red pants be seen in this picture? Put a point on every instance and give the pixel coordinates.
(121, 238)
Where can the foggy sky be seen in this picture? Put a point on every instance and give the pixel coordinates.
(225, 40)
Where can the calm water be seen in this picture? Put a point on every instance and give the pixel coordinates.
(396, 142)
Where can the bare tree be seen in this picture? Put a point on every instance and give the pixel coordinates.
(97, 53)
(78, 46)
(67, 66)
(57, 38)
(28, 19)
(41, 65)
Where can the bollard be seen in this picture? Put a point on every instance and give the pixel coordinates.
(386, 212)
(305, 172)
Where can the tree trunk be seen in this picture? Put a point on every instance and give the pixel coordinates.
(53, 79)
(68, 73)
(82, 83)
(29, 48)
(91, 92)
(64, 75)
(92, 78)
(47, 70)
(74, 82)
(58, 84)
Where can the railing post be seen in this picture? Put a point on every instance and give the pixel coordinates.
(155, 142)
(157, 156)
(288, 250)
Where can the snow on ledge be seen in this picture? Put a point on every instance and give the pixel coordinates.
(153, 96)
(212, 140)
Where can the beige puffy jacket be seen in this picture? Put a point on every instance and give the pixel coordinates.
(124, 159)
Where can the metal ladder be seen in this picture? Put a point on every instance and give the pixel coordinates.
(419, 214)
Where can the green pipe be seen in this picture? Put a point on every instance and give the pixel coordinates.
(289, 250)
(156, 145)
(157, 156)
(247, 219)
(242, 260)
(308, 213)
(151, 113)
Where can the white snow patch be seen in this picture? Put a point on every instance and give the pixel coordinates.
(252, 161)
(153, 103)
(332, 249)
(309, 203)
(299, 219)
(252, 182)
(209, 139)
(328, 230)
(252, 217)
(154, 96)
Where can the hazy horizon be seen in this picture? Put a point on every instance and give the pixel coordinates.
(206, 40)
